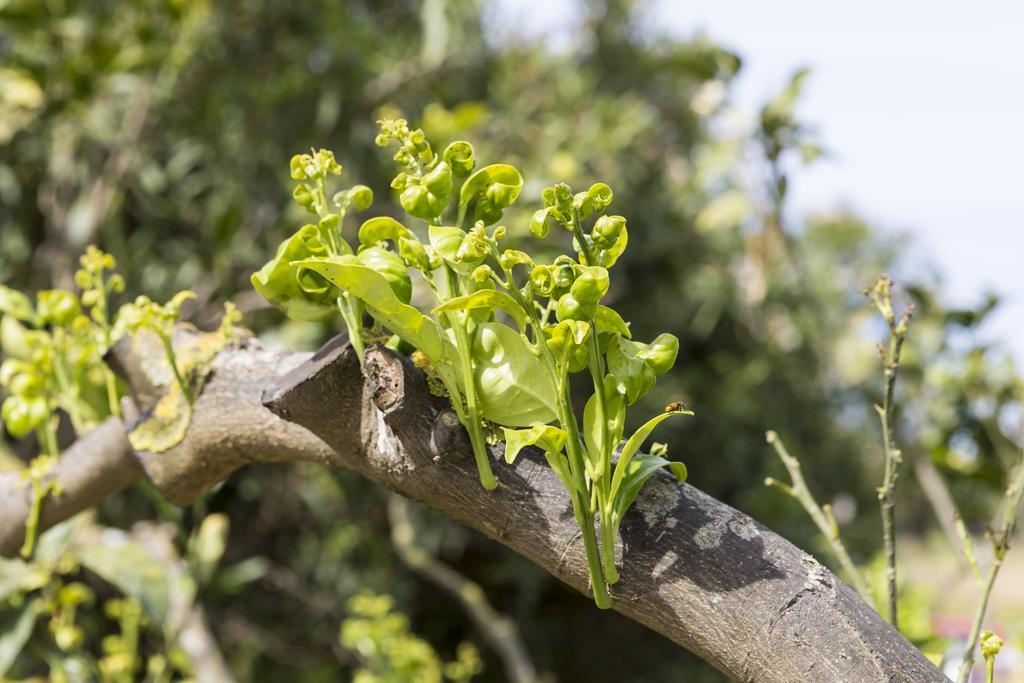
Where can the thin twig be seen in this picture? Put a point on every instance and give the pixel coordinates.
(881, 296)
(822, 516)
(496, 628)
(1000, 544)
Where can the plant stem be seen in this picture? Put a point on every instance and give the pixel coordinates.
(580, 498)
(354, 325)
(603, 483)
(892, 458)
(822, 519)
(111, 383)
(581, 505)
(172, 360)
(32, 523)
(472, 422)
(1000, 544)
(67, 390)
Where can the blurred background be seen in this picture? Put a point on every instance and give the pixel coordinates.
(772, 162)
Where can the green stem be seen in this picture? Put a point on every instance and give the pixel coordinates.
(32, 523)
(68, 392)
(172, 360)
(886, 492)
(112, 400)
(472, 422)
(603, 483)
(580, 498)
(354, 325)
(581, 505)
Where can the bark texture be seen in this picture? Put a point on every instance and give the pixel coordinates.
(695, 570)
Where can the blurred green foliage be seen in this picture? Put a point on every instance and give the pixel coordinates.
(162, 130)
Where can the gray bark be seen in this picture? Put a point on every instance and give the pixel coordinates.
(697, 571)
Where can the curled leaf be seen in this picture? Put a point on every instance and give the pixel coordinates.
(487, 299)
(494, 188)
(391, 267)
(279, 282)
(547, 437)
(515, 388)
(382, 228)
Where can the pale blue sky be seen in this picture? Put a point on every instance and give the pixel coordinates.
(921, 105)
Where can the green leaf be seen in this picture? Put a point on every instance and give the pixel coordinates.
(635, 442)
(447, 242)
(350, 275)
(16, 340)
(608, 257)
(639, 471)
(382, 228)
(515, 388)
(15, 630)
(615, 414)
(494, 188)
(560, 464)
(634, 376)
(280, 283)
(487, 299)
(609, 321)
(636, 365)
(12, 573)
(549, 438)
(14, 303)
(391, 267)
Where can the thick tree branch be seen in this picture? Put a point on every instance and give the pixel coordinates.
(693, 569)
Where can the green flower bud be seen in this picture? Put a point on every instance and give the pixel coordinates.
(420, 202)
(57, 306)
(24, 384)
(304, 198)
(475, 245)
(583, 205)
(564, 275)
(563, 194)
(510, 258)
(22, 415)
(607, 230)
(330, 223)
(661, 353)
(482, 274)
(361, 196)
(547, 196)
(568, 341)
(68, 637)
(590, 285)
(542, 279)
(402, 181)
(539, 226)
(414, 254)
(600, 196)
(301, 166)
(459, 155)
(439, 181)
(570, 308)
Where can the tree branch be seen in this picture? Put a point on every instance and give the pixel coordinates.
(702, 574)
